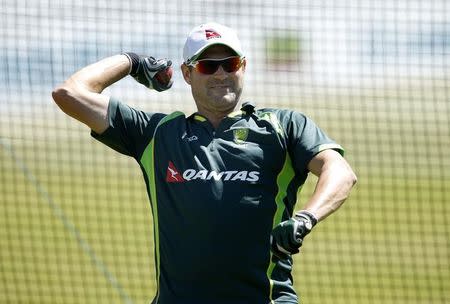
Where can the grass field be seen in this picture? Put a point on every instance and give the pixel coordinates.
(81, 231)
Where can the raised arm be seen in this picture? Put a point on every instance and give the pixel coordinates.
(80, 96)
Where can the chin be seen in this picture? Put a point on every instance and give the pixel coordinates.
(223, 102)
(227, 101)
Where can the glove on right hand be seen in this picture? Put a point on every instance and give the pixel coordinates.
(153, 73)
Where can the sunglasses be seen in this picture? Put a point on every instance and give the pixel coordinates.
(210, 66)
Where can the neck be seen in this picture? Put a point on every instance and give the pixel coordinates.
(214, 118)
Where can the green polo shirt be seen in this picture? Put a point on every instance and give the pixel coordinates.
(216, 195)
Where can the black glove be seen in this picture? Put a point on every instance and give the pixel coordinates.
(287, 237)
(152, 73)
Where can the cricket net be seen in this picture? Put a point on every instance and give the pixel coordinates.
(75, 222)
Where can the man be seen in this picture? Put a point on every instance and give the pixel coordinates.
(222, 182)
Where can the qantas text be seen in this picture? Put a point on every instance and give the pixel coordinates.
(249, 176)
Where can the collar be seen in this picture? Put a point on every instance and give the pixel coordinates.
(247, 108)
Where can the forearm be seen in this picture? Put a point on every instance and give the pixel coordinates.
(336, 179)
(333, 187)
(98, 76)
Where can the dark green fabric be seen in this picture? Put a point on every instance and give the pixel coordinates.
(215, 196)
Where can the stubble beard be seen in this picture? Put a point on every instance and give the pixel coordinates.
(224, 95)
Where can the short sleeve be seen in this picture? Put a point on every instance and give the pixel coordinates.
(129, 130)
(305, 140)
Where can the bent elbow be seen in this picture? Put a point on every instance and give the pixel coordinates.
(66, 97)
(349, 180)
(60, 95)
(353, 178)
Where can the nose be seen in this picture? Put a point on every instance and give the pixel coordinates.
(220, 73)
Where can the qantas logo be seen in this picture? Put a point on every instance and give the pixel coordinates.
(174, 176)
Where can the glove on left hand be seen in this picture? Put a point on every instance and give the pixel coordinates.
(287, 237)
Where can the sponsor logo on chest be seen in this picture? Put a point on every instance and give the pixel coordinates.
(173, 175)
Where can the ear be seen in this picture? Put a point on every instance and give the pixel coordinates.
(186, 71)
(244, 64)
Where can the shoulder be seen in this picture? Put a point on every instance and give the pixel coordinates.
(172, 117)
(172, 124)
(119, 110)
(285, 117)
(281, 113)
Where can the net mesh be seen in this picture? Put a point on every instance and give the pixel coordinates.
(75, 222)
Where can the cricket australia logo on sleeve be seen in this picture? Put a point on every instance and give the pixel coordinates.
(240, 135)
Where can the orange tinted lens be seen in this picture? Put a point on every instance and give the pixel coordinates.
(207, 66)
(231, 64)
(210, 66)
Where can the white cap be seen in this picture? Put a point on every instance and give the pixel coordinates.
(207, 34)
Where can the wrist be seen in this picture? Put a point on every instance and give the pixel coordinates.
(134, 62)
(309, 218)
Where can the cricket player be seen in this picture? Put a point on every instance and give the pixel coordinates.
(223, 181)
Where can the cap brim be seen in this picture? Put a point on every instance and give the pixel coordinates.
(201, 50)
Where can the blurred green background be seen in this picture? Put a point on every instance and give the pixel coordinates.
(75, 222)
